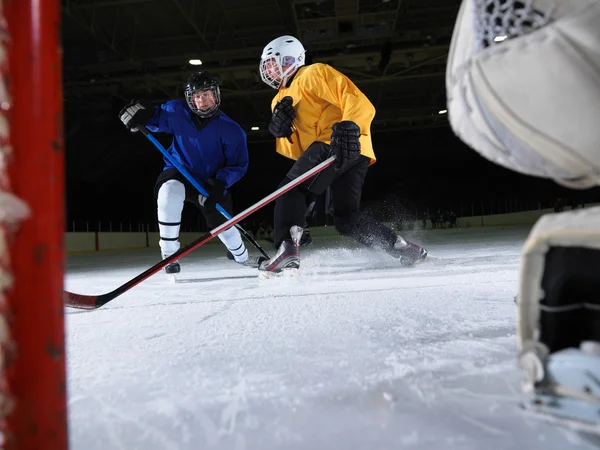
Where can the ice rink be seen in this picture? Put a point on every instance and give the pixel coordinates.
(359, 353)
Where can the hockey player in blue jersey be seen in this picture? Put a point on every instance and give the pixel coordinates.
(211, 147)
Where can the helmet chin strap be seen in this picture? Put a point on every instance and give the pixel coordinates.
(287, 80)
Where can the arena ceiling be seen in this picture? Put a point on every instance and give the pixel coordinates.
(394, 50)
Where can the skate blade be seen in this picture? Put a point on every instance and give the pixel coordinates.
(575, 415)
(425, 260)
(171, 277)
(250, 265)
(418, 262)
(411, 264)
(567, 423)
(291, 274)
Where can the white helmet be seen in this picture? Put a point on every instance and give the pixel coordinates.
(284, 52)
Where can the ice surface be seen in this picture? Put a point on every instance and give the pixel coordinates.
(360, 353)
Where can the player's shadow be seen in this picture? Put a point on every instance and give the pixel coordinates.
(205, 280)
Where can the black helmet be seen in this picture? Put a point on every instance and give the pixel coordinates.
(203, 81)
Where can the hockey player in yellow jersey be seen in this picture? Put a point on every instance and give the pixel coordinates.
(319, 112)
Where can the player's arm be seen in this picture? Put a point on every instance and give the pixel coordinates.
(155, 118)
(161, 119)
(357, 111)
(235, 150)
(335, 88)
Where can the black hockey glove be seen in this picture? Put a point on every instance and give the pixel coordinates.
(215, 189)
(282, 119)
(345, 144)
(135, 114)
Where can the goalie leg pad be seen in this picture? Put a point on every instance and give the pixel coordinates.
(559, 316)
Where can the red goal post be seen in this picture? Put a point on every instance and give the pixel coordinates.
(33, 382)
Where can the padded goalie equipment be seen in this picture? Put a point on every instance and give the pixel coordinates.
(559, 317)
(523, 86)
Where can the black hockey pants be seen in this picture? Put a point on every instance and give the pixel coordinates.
(346, 189)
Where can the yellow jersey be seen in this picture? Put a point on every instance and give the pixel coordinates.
(321, 97)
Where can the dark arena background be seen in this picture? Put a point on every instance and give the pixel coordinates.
(395, 51)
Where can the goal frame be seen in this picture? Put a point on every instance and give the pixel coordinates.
(34, 408)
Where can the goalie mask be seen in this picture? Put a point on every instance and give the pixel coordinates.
(202, 94)
(523, 87)
(280, 60)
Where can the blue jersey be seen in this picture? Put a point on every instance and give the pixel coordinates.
(215, 149)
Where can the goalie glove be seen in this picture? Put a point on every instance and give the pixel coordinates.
(508, 61)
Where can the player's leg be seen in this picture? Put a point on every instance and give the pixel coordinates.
(306, 238)
(231, 237)
(290, 208)
(170, 195)
(346, 191)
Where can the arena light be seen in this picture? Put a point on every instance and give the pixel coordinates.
(195, 62)
(255, 128)
(442, 111)
(499, 38)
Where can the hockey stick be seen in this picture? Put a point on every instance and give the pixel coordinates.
(81, 301)
(199, 188)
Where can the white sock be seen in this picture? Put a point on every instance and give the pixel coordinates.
(233, 241)
(169, 206)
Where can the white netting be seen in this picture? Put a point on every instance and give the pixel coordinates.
(504, 19)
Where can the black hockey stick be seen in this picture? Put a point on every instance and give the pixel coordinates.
(199, 188)
(81, 301)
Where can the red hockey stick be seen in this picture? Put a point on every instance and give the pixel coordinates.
(81, 301)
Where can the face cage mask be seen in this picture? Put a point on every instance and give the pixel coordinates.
(204, 113)
(275, 83)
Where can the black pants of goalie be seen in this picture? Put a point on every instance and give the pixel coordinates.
(346, 190)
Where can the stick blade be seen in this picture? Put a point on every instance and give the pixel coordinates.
(79, 301)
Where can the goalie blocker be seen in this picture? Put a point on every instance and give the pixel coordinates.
(559, 317)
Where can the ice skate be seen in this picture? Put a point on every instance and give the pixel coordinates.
(306, 239)
(171, 270)
(409, 253)
(564, 385)
(286, 261)
(253, 261)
